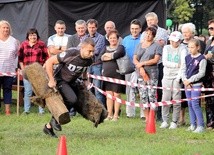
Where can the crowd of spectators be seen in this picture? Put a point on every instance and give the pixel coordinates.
(179, 59)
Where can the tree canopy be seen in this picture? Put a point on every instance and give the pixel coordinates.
(195, 11)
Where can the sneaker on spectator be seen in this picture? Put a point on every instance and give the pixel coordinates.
(191, 128)
(199, 129)
(164, 125)
(173, 125)
(25, 113)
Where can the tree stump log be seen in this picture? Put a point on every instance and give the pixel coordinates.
(45, 95)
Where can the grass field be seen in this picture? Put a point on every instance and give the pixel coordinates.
(22, 135)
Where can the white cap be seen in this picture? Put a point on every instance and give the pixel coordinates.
(175, 36)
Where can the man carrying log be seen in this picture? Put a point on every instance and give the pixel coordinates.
(73, 64)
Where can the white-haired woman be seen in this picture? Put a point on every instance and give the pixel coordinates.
(8, 62)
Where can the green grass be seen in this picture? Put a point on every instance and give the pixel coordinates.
(22, 135)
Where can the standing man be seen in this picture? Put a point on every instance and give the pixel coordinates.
(58, 42)
(75, 40)
(96, 67)
(109, 26)
(161, 38)
(130, 42)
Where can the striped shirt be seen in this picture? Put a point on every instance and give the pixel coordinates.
(8, 55)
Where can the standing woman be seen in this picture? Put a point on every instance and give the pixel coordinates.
(146, 57)
(110, 67)
(209, 82)
(31, 50)
(8, 61)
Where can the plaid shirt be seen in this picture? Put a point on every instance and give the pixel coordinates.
(99, 40)
(36, 53)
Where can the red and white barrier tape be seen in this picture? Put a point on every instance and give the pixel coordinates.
(146, 105)
(7, 74)
(11, 73)
(127, 83)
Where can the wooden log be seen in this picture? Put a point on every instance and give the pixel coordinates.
(21, 94)
(37, 76)
(89, 106)
(17, 102)
(61, 114)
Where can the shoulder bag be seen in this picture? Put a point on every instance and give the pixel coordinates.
(125, 66)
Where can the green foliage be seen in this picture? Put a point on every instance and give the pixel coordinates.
(205, 32)
(208, 11)
(196, 11)
(182, 11)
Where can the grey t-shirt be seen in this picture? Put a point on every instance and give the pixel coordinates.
(145, 54)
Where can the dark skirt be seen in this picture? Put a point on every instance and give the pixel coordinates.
(118, 88)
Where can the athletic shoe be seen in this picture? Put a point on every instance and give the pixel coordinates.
(55, 124)
(173, 125)
(164, 125)
(199, 129)
(49, 132)
(72, 112)
(191, 128)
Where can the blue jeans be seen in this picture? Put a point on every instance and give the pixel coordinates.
(27, 94)
(97, 70)
(195, 112)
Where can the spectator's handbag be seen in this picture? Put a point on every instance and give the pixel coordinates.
(125, 66)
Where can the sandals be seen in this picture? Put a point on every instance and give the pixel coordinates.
(109, 118)
(115, 118)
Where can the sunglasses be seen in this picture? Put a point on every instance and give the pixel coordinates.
(211, 28)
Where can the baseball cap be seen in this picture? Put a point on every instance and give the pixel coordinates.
(175, 36)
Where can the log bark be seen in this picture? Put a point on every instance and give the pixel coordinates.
(89, 106)
(37, 76)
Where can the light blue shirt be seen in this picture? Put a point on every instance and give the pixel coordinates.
(130, 44)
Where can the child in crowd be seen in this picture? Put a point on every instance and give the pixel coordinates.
(193, 72)
(173, 58)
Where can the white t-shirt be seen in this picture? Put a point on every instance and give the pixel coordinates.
(56, 40)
